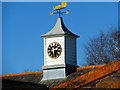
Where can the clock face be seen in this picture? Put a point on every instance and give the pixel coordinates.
(54, 50)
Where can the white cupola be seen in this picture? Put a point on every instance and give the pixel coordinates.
(60, 58)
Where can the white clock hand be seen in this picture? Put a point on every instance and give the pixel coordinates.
(53, 50)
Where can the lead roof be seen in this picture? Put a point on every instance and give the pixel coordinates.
(59, 29)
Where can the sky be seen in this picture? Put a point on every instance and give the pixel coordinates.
(24, 22)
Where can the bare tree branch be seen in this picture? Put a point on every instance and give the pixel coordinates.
(104, 48)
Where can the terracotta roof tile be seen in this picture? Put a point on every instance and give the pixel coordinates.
(91, 76)
(110, 81)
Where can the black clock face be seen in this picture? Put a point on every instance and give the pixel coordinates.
(54, 50)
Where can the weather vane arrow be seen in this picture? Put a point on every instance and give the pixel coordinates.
(57, 9)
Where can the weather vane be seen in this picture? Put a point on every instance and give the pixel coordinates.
(58, 8)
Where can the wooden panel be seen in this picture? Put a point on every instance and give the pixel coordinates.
(60, 59)
(70, 52)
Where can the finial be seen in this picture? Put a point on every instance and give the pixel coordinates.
(58, 9)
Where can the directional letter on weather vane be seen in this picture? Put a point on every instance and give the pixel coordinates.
(58, 8)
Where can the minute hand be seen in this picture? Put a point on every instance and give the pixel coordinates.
(56, 48)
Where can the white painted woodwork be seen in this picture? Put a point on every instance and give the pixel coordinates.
(68, 54)
(57, 68)
(47, 59)
(70, 50)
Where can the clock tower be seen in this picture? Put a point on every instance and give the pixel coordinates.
(59, 52)
(60, 58)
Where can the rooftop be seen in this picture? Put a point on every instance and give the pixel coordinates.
(59, 29)
(97, 76)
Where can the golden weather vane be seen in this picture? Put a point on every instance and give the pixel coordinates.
(58, 9)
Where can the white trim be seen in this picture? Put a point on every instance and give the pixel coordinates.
(44, 50)
(64, 49)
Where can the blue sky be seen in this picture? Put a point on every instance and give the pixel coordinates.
(24, 22)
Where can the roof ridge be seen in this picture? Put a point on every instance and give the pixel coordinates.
(91, 76)
(35, 72)
(18, 74)
(24, 73)
(90, 67)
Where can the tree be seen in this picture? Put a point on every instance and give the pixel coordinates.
(104, 48)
